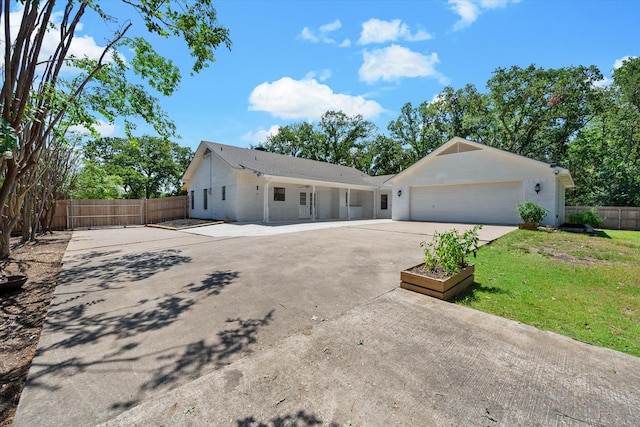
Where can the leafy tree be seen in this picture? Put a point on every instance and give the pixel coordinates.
(337, 138)
(417, 130)
(465, 113)
(147, 167)
(343, 138)
(605, 156)
(295, 140)
(35, 99)
(387, 156)
(93, 182)
(539, 111)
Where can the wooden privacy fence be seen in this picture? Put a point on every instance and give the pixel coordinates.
(78, 213)
(615, 218)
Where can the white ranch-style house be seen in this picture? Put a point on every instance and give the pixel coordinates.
(240, 184)
(461, 181)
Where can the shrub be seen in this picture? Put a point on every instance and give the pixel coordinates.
(589, 217)
(448, 249)
(531, 212)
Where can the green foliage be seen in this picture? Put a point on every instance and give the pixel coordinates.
(147, 167)
(337, 138)
(540, 110)
(564, 288)
(41, 102)
(448, 249)
(93, 182)
(8, 138)
(531, 212)
(604, 158)
(589, 217)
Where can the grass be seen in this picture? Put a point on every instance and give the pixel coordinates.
(585, 287)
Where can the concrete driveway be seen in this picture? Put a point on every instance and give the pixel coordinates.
(159, 327)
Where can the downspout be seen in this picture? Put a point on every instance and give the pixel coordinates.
(348, 203)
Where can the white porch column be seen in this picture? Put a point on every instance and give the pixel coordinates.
(348, 203)
(314, 206)
(265, 203)
(375, 199)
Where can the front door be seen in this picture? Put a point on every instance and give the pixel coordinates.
(306, 205)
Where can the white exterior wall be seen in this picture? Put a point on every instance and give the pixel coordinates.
(212, 174)
(324, 203)
(250, 197)
(476, 167)
(289, 208)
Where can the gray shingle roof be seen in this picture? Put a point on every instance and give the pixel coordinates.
(280, 165)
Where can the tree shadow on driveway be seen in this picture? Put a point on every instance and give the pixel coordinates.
(104, 270)
(301, 418)
(79, 323)
(173, 367)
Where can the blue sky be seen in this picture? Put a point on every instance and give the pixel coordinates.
(293, 60)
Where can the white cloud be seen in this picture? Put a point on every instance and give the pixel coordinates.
(419, 36)
(327, 28)
(396, 62)
(378, 31)
(618, 62)
(261, 134)
(470, 10)
(323, 75)
(467, 10)
(306, 34)
(606, 81)
(321, 35)
(345, 43)
(103, 128)
(307, 99)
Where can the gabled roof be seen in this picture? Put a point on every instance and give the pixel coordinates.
(461, 145)
(278, 165)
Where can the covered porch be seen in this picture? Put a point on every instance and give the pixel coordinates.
(289, 200)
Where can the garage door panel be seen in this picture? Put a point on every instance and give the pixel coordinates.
(493, 203)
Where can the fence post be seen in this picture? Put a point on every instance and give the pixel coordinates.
(619, 219)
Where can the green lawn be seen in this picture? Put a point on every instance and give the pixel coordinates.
(584, 287)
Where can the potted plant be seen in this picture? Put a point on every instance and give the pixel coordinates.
(11, 283)
(531, 214)
(444, 272)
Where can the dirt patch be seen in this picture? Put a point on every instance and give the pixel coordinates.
(22, 312)
(438, 273)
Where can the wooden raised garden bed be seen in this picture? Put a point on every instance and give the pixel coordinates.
(444, 289)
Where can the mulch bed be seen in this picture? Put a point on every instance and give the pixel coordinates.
(22, 312)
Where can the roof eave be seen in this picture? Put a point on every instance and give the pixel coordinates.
(319, 183)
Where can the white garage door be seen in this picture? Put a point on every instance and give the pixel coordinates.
(492, 203)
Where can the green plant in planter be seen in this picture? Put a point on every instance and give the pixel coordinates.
(448, 249)
(531, 212)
